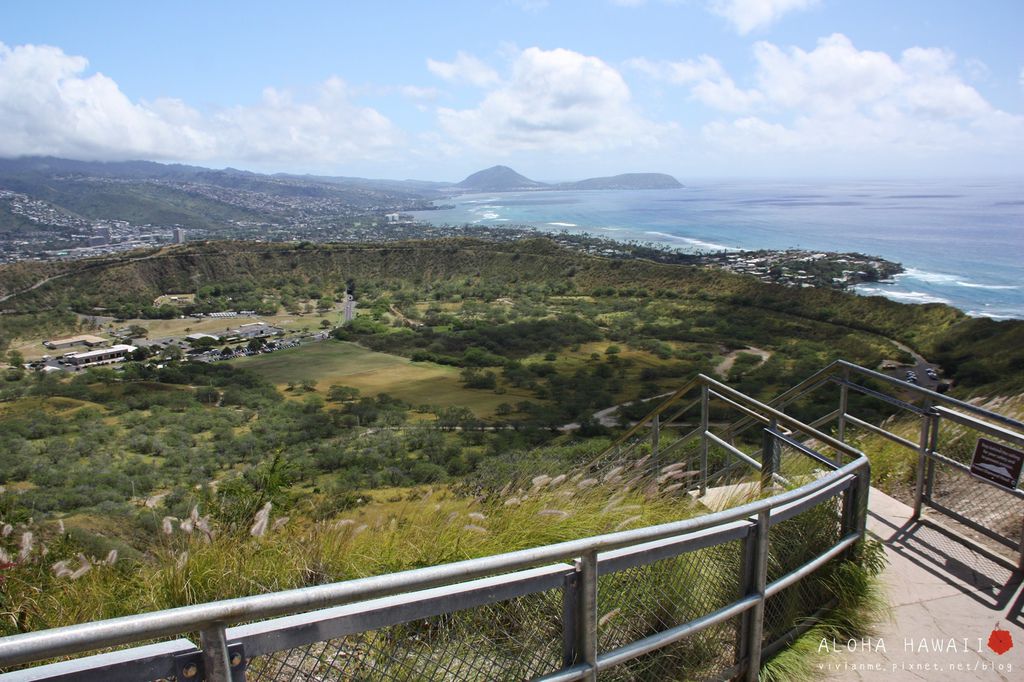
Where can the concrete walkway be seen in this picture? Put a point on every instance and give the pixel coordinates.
(947, 596)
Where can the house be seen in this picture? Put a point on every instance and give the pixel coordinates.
(82, 340)
(252, 330)
(199, 336)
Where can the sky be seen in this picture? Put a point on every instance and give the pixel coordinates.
(557, 89)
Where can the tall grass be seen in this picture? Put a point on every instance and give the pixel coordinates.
(861, 605)
(427, 527)
(198, 561)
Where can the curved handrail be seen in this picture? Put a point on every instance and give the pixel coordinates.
(766, 408)
(72, 639)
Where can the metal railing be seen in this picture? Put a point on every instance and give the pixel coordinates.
(943, 443)
(626, 604)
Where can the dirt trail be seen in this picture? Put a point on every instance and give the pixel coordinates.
(729, 360)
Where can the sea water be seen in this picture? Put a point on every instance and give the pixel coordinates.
(962, 243)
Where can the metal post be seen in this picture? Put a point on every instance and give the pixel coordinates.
(922, 461)
(754, 623)
(216, 663)
(1020, 560)
(933, 445)
(655, 436)
(862, 499)
(586, 618)
(768, 454)
(704, 421)
(570, 620)
(844, 406)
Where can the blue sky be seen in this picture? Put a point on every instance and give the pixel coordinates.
(557, 89)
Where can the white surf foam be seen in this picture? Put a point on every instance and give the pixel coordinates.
(903, 296)
(997, 287)
(563, 224)
(698, 243)
(930, 277)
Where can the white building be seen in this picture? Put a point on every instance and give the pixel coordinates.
(102, 356)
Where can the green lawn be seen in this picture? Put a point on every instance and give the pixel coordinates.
(337, 362)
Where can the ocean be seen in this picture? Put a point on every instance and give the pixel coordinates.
(962, 243)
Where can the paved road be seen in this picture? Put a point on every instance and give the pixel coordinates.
(350, 308)
(607, 416)
(947, 597)
(920, 367)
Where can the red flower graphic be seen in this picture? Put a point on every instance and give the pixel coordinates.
(1000, 641)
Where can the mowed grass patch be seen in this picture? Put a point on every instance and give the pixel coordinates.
(341, 362)
(50, 405)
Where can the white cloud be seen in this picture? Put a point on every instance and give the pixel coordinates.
(48, 105)
(557, 101)
(709, 83)
(465, 69)
(977, 70)
(281, 129)
(681, 73)
(416, 92)
(833, 78)
(836, 97)
(748, 15)
(837, 79)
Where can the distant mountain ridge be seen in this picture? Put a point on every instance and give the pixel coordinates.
(504, 179)
(499, 179)
(57, 202)
(627, 181)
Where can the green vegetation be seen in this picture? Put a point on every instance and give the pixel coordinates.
(250, 539)
(373, 373)
(465, 362)
(682, 304)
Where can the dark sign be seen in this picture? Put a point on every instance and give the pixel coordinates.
(997, 463)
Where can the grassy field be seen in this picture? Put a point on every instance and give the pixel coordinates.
(337, 362)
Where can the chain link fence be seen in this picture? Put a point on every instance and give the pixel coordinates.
(518, 639)
(648, 599)
(986, 507)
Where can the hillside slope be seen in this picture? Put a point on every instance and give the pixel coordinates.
(975, 352)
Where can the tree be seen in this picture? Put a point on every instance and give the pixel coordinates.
(308, 385)
(204, 343)
(207, 395)
(15, 359)
(474, 378)
(449, 418)
(338, 393)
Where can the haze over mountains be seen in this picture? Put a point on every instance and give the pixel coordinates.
(504, 179)
(49, 203)
(18, 174)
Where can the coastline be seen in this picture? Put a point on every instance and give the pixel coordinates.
(956, 248)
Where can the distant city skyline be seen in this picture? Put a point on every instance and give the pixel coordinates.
(558, 90)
